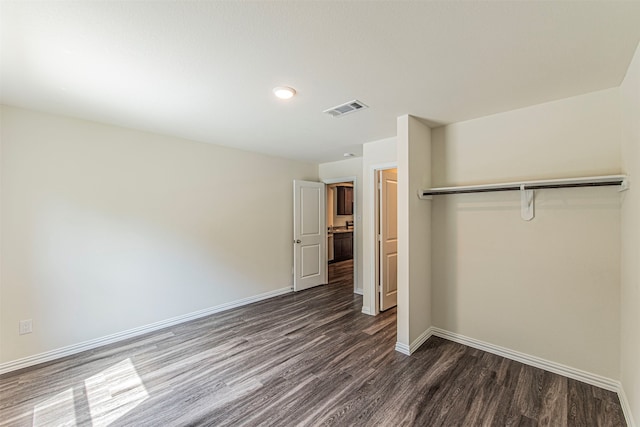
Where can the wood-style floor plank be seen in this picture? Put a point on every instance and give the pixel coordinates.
(305, 359)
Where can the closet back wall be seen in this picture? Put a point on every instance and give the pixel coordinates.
(106, 229)
(549, 287)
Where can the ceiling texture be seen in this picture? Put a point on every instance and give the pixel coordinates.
(205, 70)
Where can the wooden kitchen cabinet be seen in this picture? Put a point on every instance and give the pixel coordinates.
(345, 201)
(342, 246)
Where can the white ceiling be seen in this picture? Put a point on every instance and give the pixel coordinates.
(205, 70)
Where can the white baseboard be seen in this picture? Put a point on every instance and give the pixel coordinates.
(558, 368)
(527, 359)
(358, 291)
(366, 310)
(626, 409)
(410, 349)
(537, 362)
(109, 339)
(420, 340)
(403, 348)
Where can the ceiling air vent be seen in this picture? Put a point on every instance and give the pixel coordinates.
(346, 108)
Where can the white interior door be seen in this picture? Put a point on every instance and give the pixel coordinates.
(388, 238)
(309, 235)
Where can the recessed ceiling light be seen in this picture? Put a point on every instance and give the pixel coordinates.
(349, 155)
(284, 92)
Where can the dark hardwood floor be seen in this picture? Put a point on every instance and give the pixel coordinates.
(303, 359)
(341, 273)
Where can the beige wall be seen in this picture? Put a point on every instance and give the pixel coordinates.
(106, 229)
(572, 137)
(549, 287)
(342, 169)
(414, 231)
(630, 288)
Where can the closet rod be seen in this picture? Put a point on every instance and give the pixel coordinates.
(593, 181)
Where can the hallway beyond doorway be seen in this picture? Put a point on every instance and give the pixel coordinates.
(341, 273)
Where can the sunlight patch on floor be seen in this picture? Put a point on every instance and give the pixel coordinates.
(58, 410)
(114, 392)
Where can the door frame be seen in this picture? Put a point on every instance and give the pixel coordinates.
(356, 223)
(374, 286)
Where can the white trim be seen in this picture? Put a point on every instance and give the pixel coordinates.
(420, 340)
(626, 409)
(119, 336)
(410, 349)
(403, 348)
(339, 180)
(537, 362)
(358, 291)
(366, 310)
(384, 166)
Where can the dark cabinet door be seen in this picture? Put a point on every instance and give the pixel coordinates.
(342, 246)
(347, 246)
(345, 201)
(348, 200)
(337, 249)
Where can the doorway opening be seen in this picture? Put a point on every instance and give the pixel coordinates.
(341, 232)
(386, 226)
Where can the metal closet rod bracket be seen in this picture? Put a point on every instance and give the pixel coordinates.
(625, 184)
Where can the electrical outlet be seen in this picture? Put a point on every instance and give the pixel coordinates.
(25, 326)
